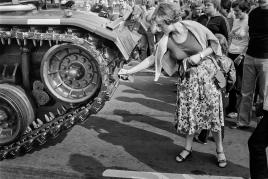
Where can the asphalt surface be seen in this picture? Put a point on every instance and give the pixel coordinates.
(131, 137)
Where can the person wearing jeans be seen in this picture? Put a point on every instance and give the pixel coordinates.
(239, 42)
(255, 64)
(257, 145)
(253, 68)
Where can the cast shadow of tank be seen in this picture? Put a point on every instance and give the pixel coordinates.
(88, 167)
(157, 150)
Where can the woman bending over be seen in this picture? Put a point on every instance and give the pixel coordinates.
(199, 101)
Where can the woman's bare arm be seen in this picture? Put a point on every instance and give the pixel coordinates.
(195, 59)
(147, 62)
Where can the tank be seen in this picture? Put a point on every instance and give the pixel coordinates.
(57, 67)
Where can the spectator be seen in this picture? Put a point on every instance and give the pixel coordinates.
(255, 64)
(199, 103)
(212, 18)
(227, 12)
(239, 42)
(124, 8)
(227, 65)
(98, 7)
(141, 26)
(217, 24)
(196, 10)
(177, 3)
(185, 13)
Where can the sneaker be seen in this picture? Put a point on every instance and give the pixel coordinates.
(232, 115)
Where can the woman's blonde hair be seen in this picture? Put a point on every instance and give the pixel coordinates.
(169, 12)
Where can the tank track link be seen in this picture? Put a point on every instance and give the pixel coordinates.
(55, 124)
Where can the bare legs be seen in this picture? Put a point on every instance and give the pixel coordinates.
(218, 141)
(186, 152)
(219, 149)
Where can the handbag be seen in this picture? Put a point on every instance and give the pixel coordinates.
(219, 78)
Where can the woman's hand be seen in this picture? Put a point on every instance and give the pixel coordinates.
(125, 75)
(123, 72)
(194, 59)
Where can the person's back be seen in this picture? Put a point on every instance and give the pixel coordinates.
(258, 28)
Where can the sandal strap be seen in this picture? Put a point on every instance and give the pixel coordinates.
(181, 157)
(222, 161)
(219, 152)
(189, 151)
(184, 158)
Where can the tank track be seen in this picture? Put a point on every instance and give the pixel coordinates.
(41, 131)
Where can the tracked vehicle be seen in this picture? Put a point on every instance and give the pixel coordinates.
(57, 66)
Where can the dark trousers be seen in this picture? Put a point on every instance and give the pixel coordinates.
(257, 144)
(203, 136)
(235, 94)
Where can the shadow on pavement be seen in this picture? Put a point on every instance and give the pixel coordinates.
(160, 124)
(228, 123)
(151, 103)
(158, 151)
(88, 167)
(163, 90)
(85, 165)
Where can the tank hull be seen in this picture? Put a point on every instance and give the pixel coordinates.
(62, 66)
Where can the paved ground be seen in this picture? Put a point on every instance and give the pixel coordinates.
(132, 137)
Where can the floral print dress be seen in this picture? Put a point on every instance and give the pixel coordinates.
(199, 101)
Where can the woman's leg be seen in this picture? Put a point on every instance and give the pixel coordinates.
(189, 141)
(222, 163)
(187, 148)
(218, 141)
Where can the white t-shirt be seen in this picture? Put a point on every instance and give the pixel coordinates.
(239, 36)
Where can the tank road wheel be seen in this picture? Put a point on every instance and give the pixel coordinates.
(70, 73)
(16, 113)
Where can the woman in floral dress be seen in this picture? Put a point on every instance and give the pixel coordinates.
(199, 104)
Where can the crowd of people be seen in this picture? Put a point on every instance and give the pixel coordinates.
(219, 50)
